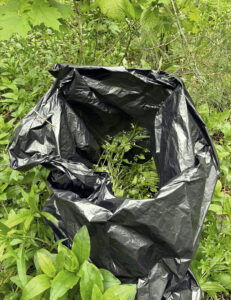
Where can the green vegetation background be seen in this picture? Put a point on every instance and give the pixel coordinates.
(189, 39)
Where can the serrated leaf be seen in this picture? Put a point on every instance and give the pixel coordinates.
(121, 292)
(149, 18)
(11, 6)
(90, 276)
(109, 279)
(96, 293)
(64, 9)
(13, 23)
(113, 9)
(129, 9)
(46, 264)
(63, 282)
(21, 265)
(35, 287)
(81, 245)
(42, 12)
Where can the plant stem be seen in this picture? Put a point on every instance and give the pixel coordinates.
(184, 40)
(128, 44)
(80, 31)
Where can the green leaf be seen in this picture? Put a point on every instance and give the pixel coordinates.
(21, 265)
(149, 18)
(121, 292)
(41, 12)
(81, 245)
(60, 261)
(11, 296)
(64, 9)
(17, 219)
(225, 280)
(3, 228)
(113, 9)
(212, 286)
(49, 217)
(35, 287)
(27, 222)
(109, 279)
(90, 276)
(30, 199)
(96, 293)
(46, 264)
(13, 23)
(71, 262)
(63, 282)
(216, 208)
(12, 6)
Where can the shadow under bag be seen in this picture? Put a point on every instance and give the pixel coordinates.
(150, 242)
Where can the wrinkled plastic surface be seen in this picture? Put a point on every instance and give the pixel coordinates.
(150, 242)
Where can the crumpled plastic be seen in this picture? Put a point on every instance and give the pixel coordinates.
(149, 242)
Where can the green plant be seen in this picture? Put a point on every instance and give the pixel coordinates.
(125, 34)
(133, 175)
(66, 274)
(212, 262)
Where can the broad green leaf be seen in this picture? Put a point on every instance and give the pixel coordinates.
(36, 286)
(21, 265)
(13, 23)
(96, 293)
(113, 9)
(42, 12)
(121, 292)
(63, 282)
(46, 252)
(90, 276)
(64, 9)
(225, 280)
(46, 264)
(129, 9)
(216, 208)
(149, 18)
(109, 279)
(11, 6)
(60, 261)
(71, 262)
(81, 245)
(17, 281)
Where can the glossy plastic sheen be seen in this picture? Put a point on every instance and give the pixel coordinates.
(150, 242)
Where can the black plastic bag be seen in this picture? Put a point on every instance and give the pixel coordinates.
(150, 242)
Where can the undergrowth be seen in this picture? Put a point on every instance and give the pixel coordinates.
(202, 60)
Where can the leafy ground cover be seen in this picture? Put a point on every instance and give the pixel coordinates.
(190, 39)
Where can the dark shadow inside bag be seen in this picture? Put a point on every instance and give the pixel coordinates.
(152, 241)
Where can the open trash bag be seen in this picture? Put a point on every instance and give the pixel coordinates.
(150, 242)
